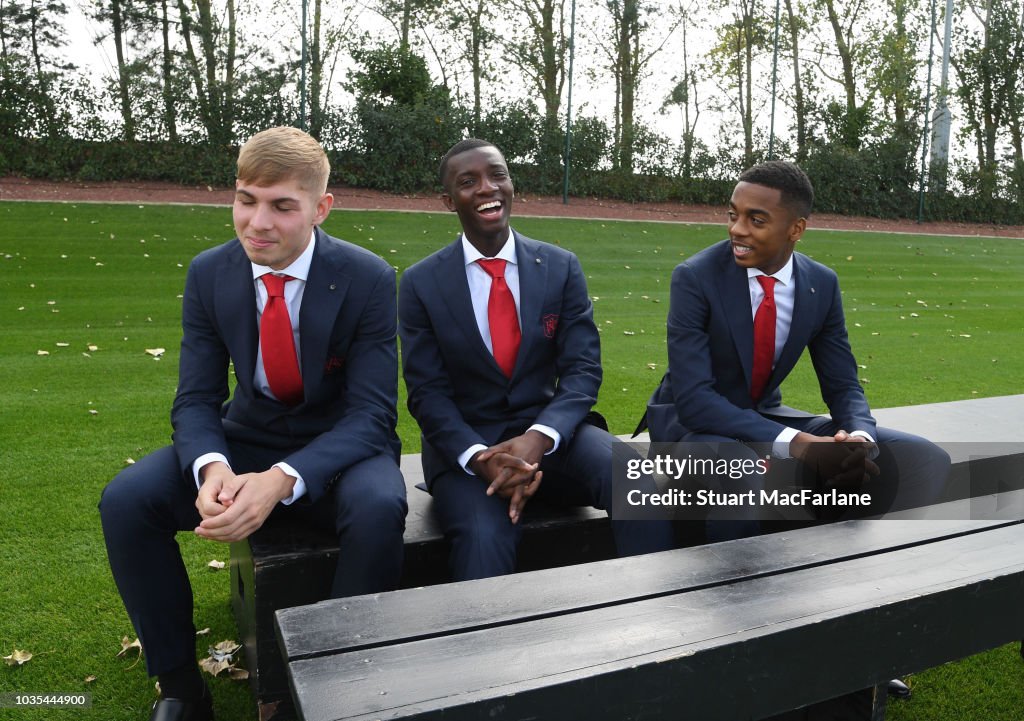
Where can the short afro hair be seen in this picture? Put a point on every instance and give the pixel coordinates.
(461, 147)
(787, 178)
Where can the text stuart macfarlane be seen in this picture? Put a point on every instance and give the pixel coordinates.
(802, 497)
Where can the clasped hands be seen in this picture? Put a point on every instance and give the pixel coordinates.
(511, 469)
(842, 460)
(233, 506)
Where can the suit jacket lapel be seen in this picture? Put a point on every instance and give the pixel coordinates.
(533, 278)
(805, 304)
(326, 287)
(452, 286)
(235, 299)
(735, 293)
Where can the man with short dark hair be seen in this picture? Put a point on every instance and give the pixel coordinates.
(501, 359)
(742, 313)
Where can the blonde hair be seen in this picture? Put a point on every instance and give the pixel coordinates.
(284, 153)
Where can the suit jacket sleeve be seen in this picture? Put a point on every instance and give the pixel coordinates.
(701, 408)
(836, 369)
(202, 373)
(368, 415)
(431, 399)
(577, 358)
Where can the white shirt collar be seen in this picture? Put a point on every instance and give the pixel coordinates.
(472, 255)
(298, 269)
(784, 275)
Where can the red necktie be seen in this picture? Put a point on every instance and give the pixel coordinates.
(501, 316)
(278, 344)
(764, 338)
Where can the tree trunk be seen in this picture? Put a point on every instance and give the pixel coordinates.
(852, 131)
(117, 20)
(316, 74)
(170, 114)
(798, 86)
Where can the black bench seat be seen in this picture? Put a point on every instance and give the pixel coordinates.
(718, 632)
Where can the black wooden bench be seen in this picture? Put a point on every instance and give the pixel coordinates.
(279, 568)
(740, 630)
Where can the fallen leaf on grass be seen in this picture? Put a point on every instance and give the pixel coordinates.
(203, 632)
(129, 461)
(127, 645)
(653, 366)
(93, 412)
(212, 666)
(93, 348)
(62, 345)
(18, 658)
(90, 679)
(42, 352)
(220, 660)
(216, 565)
(224, 650)
(156, 352)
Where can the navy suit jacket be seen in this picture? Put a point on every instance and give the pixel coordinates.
(710, 352)
(457, 393)
(348, 355)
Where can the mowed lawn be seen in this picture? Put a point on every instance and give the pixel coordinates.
(87, 289)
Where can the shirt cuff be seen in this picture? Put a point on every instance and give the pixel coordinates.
(867, 437)
(550, 433)
(467, 455)
(780, 448)
(299, 489)
(204, 460)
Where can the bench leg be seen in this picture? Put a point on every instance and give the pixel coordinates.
(879, 697)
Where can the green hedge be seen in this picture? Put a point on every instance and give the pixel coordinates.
(876, 181)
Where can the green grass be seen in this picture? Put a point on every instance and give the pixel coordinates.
(111, 276)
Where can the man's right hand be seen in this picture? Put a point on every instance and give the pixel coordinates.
(212, 501)
(507, 476)
(840, 460)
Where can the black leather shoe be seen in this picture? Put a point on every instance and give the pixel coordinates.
(898, 689)
(174, 709)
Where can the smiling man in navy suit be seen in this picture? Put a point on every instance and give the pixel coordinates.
(309, 323)
(501, 359)
(718, 391)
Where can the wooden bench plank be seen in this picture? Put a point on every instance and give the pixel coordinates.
(633, 660)
(365, 621)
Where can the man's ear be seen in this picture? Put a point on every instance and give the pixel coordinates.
(796, 230)
(447, 200)
(323, 208)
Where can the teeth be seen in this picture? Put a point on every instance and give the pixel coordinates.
(488, 206)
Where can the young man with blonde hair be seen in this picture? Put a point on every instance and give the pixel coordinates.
(309, 322)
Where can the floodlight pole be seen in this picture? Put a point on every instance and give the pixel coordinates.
(302, 81)
(568, 113)
(775, 65)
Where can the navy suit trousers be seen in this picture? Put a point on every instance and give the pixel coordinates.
(149, 502)
(579, 473)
